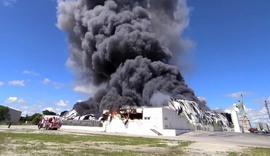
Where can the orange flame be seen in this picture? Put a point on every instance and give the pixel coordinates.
(115, 112)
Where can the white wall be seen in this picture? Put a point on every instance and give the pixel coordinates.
(116, 126)
(235, 121)
(152, 118)
(96, 129)
(139, 127)
(156, 117)
(172, 121)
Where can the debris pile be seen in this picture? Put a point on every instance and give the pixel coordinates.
(196, 116)
(200, 119)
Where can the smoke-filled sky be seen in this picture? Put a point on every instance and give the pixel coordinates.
(128, 49)
(229, 55)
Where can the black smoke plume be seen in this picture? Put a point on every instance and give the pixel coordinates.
(132, 46)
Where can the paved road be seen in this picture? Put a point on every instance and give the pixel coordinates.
(242, 139)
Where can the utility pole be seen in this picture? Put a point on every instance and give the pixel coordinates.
(267, 108)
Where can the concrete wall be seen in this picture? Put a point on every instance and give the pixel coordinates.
(96, 129)
(161, 120)
(154, 117)
(235, 121)
(136, 127)
(139, 127)
(115, 126)
(13, 115)
(172, 121)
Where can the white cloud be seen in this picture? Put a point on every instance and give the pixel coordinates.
(261, 99)
(62, 103)
(46, 80)
(26, 72)
(253, 115)
(8, 2)
(58, 85)
(23, 107)
(79, 101)
(56, 110)
(202, 98)
(30, 110)
(16, 83)
(30, 72)
(88, 89)
(35, 108)
(238, 94)
(41, 102)
(35, 105)
(13, 100)
(1, 83)
(49, 109)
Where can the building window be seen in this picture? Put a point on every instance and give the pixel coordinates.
(146, 118)
(165, 118)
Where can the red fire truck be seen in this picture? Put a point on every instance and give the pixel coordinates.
(49, 123)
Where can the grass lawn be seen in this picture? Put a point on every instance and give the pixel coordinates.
(252, 152)
(41, 142)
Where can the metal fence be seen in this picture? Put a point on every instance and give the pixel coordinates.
(91, 123)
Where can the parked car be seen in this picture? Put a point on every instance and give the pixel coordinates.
(253, 130)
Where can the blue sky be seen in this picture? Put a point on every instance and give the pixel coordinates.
(231, 55)
(232, 50)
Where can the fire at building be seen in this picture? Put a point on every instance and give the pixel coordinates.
(129, 51)
(177, 117)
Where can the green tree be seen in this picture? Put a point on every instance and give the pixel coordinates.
(62, 113)
(26, 117)
(47, 112)
(22, 120)
(36, 118)
(31, 118)
(3, 113)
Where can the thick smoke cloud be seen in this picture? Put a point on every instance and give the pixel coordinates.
(129, 45)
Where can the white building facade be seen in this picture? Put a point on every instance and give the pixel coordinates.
(13, 116)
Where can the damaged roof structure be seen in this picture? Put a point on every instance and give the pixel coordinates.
(176, 117)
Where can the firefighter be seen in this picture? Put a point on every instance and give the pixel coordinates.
(9, 125)
(50, 120)
(43, 121)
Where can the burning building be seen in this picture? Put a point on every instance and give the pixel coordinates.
(176, 117)
(129, 50)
